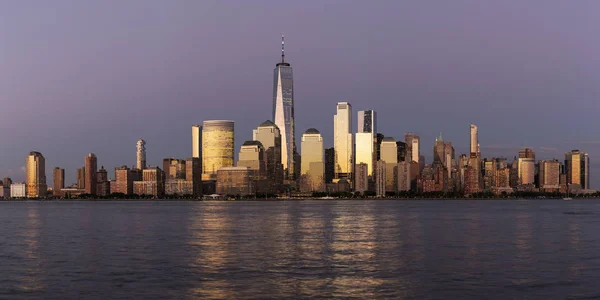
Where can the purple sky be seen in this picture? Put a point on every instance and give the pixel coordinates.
(95, 76)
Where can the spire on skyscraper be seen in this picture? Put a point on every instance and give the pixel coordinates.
(282, 49)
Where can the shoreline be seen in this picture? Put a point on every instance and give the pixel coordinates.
(289, 199)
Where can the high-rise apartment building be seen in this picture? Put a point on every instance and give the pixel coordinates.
(174, 168)
(577, 166)
(380, 173)
(59, 180)
(81, 178)
(403, 176)
(35, 168)
(343, 142)
(283, 113)
(102, 183)
(549, 175)
(217, 147)
(197, 141)
(193, 174)
(361, 177)
(526, 166)
(124, 178)
(269, 136)
(413, 152)
(312, 172)
(91, 169)
(366, 139)
(141, 154)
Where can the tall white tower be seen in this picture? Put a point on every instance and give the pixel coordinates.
(141, 154)
(474, 140)
(343, 142)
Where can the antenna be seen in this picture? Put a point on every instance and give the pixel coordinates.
(282, 48)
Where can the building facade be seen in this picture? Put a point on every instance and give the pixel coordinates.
(312, 172)
(217, 147)
(91, 170)
(283, 113)
(269, 136)
(141, 154)
(577, 166)
(343, 142)
(234, 181)
(366, 139)
(59, 181)
(197, 141)
(413, 150)
(35, 168)
(361, 178)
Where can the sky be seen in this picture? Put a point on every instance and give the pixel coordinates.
(95, 76)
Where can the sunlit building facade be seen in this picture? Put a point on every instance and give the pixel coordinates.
(389, 155)
(474, 139)
(366, 139)
(577, 166)
(343, 142)
(312, 173)
(252, 155)
(403, 176)
(35, 169)
(197, 141)
(549, 175)
(217, 147)
(269, 136)
(413, 152)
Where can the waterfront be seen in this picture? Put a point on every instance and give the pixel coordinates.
(299, 249)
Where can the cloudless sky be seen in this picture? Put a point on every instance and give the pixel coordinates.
(95, 76)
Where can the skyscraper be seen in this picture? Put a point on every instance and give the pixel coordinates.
(549, 175)
(141, 155)
(217, 147)
(329, 164)
(35, 168)
(312, 171)
(366, 139)
(81, 178)
(269, 136)
(343, 142)
(474, 140)
(91, 169)
(389, 155)
(413, 152)
(59, 180)
(196, 141)
(526, 166)
(252, 155)
(361, 178)
(283, 113)
(577, 166)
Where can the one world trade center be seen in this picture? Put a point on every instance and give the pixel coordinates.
(283, 113)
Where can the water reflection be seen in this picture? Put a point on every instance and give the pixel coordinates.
(209, 230)
(30, 281)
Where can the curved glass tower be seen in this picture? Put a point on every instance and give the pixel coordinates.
(283, 113)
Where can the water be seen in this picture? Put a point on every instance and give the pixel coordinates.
(304, 249)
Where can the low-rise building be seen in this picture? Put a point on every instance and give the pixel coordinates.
(234, 181)
(18, 190)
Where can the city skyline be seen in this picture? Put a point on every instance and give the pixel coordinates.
(73, 123)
